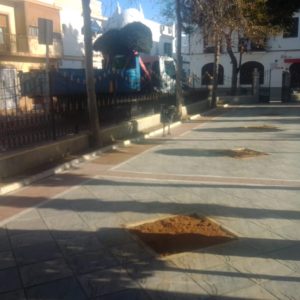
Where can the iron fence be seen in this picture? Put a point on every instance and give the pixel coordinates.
(30, 121)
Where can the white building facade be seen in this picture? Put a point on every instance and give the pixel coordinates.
(72, 25)
(281, 53)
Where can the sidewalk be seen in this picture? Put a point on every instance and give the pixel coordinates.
(65, 237)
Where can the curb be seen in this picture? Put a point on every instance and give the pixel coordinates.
(12, 187)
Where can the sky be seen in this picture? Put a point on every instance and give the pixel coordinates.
(151, 7)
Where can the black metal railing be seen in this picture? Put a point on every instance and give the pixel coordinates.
(34, 120)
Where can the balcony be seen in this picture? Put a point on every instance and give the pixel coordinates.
(22, 45)
(246, 45)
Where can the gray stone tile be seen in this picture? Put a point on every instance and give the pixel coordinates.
(44, 272)
(132, 294)
(97, 221)
(32, 214)
(63, 289)
(106, 282)
(79, 244)
(30, 238)
(287, 288)
(69, 221)
(9, 280)
(163, 280)
(91, 261)
(4, 241)
(137, 217)
(37, 253)
(289, 232)
(260, 269)
(244, 227)
(114, 236)
(6, 260)
(63, 235)
(132, 253)
(197, 260)
(23, 226)
(289, 257)
(266, 241)
(220, 280)
(254, 292)
(15, 295)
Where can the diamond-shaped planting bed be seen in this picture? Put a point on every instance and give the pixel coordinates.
(181, 234)
(245, 153)
(263, 127)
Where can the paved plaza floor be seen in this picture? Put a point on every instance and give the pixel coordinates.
(65, 237)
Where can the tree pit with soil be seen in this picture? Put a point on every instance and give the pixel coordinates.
(181, 233)
(245, 153)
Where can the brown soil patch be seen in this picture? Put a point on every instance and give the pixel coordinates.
(180, 234)
(245, 153)
(263, 127)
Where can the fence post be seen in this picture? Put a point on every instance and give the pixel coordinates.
(255, 84)
(286, 83)
(50, 100)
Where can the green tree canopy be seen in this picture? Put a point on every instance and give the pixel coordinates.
(132, 37)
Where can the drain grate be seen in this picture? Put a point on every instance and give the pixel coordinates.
(180, 234)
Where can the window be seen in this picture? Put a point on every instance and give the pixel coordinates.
(168, 49)
(57, 35)
(3, 28)
(170, 69)
(292, 31)
(33, 31)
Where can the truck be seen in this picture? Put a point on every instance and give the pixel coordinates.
(126, 74)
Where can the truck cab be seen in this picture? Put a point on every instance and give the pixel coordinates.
(162, 71)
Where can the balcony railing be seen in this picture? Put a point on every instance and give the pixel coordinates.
(24, 45)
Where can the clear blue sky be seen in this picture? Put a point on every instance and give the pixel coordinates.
(151, 8)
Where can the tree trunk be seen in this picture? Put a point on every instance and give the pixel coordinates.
(234, 64)
(216, 70)
(179, 98)
(90, 83)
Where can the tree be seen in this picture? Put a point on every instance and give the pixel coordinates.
(178, 10)
(132, 37)
(92, 102)
(255, 20)
(179, 97)
(137, 36)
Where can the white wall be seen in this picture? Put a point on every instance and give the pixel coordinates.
(73, 39)
(278, 49)
(7, 10)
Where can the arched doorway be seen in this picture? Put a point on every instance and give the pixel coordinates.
(246, 72)
(295, 75)
(207, 74)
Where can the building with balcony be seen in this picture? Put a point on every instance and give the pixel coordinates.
(271, 58)
(19, 45)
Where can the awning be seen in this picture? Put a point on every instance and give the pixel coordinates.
(292, 60)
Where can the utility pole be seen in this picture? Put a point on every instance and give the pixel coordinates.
(95, 139)
(179, 98)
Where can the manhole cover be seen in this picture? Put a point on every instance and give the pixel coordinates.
(180, 234)
(245, 153)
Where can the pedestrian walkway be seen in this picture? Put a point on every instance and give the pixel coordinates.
(65, 237)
